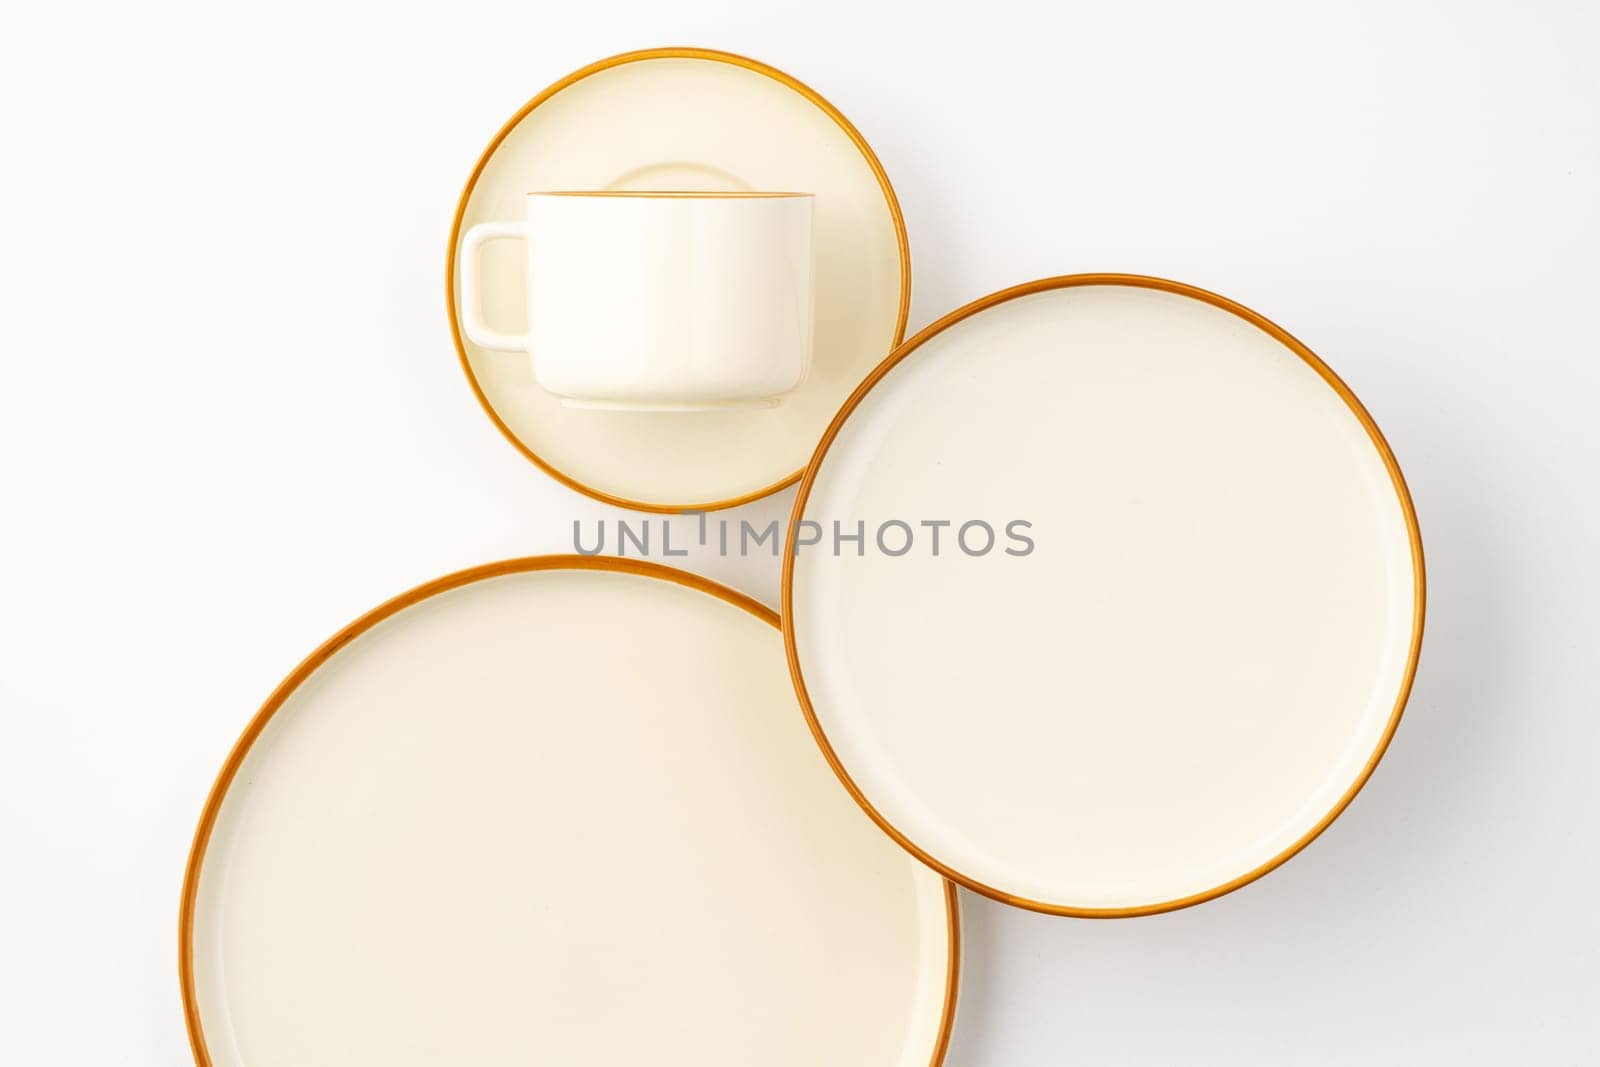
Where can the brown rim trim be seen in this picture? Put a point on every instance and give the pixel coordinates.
(326, 651)
(1137, 281)
(731, 59)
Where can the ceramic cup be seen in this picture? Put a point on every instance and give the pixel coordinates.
(657, 301)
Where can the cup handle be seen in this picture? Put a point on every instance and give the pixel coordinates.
(478, 331)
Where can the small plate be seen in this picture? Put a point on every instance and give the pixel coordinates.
(1186, 657)
(689, 119)
(553, 810)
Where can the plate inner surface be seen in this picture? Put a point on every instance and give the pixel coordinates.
(558, 817)
(1199, 657)
(699, 124)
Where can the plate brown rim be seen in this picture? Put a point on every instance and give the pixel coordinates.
(1139, 281)
(393, 606)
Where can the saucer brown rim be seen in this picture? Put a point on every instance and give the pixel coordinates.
(710, 55)
(326, 651)
(1278, 333)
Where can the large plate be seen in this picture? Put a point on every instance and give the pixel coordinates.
(1197, 663)
(554, 810)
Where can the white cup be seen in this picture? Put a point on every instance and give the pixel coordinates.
(658, 301)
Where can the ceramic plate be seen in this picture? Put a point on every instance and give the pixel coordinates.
(694, 120)
(555, 810)
(1185, 640)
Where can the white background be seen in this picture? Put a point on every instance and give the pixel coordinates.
(231, 420)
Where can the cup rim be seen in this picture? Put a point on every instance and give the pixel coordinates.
(674, 194)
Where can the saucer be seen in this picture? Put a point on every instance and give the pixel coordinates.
(689, 119)
(553, 810)
(1174, 618)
